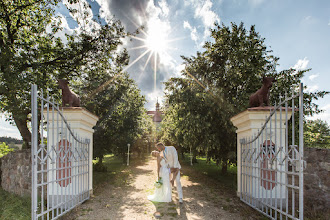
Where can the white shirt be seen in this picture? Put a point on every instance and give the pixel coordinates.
(171, 156)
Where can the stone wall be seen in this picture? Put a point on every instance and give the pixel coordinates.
(16, 172)
(317, 181)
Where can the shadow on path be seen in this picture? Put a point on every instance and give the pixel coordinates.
(126, 198)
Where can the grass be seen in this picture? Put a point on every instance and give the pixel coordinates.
(14, 207)
(213, 171)
(114, 173)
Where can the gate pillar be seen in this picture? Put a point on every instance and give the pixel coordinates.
(248, 124)
(69, 160)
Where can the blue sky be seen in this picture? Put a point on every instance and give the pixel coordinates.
(298, 32)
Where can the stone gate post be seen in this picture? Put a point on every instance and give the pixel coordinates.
(81, 121)
(249, 122)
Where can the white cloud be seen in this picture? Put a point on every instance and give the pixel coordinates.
(301, 64)
(153, 97)
(6, 129)
(255, 3)
(312, 88)
(186, 25)
(160, 26)
(193, 31)
(204, 12)
(104, 11)
(308, 18)
(83, 16)
(164, 7)
(91, 25)
(178, 70)
(313, 76)
(325, 115)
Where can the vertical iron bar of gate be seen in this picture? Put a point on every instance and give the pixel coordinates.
(34, 145)
(65, 168)
(89, 171)
(241, 142)
(266, 169)
(293, 157)
(250, 173)
(43, 186)
(286, 155)
(280, 159)
(270, 177)
(261, 169)
(50, 157)
(52, 153)
(275, 161)
(257, 172)
(301, 151)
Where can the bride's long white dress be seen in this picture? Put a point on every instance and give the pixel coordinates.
(164, 193)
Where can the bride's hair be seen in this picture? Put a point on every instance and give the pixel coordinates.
(154, 153)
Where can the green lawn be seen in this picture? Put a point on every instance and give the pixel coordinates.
(213, 171)
(14, 207)
(114, 168)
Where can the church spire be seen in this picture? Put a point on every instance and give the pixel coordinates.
(157, 106)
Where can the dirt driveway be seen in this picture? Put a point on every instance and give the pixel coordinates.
(127, 199)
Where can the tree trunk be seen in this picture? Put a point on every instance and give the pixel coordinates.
(21, 123)
(100, 159)
(224, 167)
(194, 159)
(208, 158)
(124, 158)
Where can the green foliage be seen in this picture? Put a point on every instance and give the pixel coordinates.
(216, 85)
(317, 134)
(234, 64)
(14, 207)
(4, 149)
(31, 53)
(9, 140)
(120, 106)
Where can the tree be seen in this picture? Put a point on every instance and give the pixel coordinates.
(317, 133)
(120, 106)
(194, 120)
(32, 54)
(216, 85)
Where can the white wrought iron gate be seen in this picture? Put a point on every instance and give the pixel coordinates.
(272, 162)
(60, 169)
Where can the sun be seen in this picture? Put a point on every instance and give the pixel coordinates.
(157, 37)
(156, 43)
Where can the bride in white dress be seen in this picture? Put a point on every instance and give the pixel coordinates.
(163, 193)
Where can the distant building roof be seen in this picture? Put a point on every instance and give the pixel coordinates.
(157, 117)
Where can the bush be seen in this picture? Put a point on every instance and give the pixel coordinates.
(4, 149)
(99, 167)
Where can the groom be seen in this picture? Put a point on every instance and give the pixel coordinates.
(171, 156)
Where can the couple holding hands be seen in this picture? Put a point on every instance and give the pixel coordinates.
(168, 170)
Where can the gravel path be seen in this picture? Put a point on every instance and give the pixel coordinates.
(127, 199)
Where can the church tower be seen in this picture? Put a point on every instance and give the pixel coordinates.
(156, 115)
